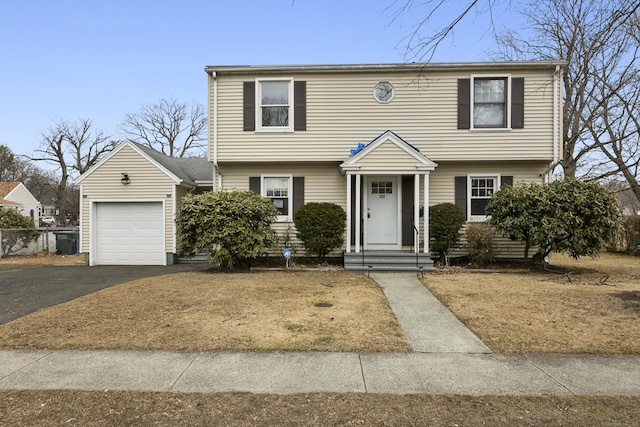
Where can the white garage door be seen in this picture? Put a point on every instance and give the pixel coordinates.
(129, 234)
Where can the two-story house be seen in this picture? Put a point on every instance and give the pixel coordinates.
(383, 141)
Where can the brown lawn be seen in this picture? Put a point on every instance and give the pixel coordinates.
(593, 309)
(269, 311)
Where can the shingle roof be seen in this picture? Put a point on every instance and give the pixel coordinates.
(7, 187)
(189, 168)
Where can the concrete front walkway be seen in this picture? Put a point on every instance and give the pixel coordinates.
(428, 325)
(432, 373)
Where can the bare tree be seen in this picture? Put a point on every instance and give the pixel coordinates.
(73, 148)
(599, 39)
(169, 126)
(437, 21)
(18, 168)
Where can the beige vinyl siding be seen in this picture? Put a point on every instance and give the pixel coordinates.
(388, 157)
(322, 181)
(442, 185)
(341, 112)
(147, 182)
(442, 190)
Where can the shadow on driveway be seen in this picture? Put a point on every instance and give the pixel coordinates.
(25, 289)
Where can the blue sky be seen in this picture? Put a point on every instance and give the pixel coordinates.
(65, 60)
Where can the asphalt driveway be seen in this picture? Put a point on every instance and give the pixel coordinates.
(25, 289)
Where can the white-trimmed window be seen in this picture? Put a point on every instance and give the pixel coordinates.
(279, 188)
(480, 190)
(274, 104)
(490, 106)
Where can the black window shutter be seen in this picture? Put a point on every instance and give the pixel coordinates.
(298, 193)
(408, 232)
(249, 105)
(464, 103)
(300, 105)
(254, 184)
(461, 193)
(506, 180)
(517, 103)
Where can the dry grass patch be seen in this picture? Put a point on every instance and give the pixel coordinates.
(43, 258)
(126, 408)
(593, 309)
(199, 311)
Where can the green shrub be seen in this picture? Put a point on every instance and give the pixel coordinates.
(320, 227)
(233, 227)
(570, 216)
(17, 231)
(480, 243)
(445, 222)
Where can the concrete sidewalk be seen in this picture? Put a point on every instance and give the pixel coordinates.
(432, 373)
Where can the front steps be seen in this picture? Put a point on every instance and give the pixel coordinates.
(388, 261)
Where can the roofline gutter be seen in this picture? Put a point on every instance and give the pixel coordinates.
(397, 67)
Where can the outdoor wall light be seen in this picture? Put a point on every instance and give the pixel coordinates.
(125, 178)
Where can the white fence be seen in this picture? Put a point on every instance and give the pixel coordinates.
(55, 240)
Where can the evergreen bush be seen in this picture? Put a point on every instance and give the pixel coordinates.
(320, 227)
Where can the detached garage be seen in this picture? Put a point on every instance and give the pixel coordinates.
(128, 203)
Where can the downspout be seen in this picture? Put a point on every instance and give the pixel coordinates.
(556, 123)
(214, 131)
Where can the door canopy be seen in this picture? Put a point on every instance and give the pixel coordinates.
(387, 154)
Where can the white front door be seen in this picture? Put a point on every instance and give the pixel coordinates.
(381, 216)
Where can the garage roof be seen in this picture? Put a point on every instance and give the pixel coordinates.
(193, 169)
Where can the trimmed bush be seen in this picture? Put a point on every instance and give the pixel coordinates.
(445, 222)
(233, 227)
(320, 227)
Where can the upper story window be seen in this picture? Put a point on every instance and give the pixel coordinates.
(274, 104)
(490, 103)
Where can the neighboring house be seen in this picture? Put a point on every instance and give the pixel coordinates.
(385, 142)
(128, 202)
(16, 196)
(48, 206)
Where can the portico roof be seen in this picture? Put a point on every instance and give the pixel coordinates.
(388, 153)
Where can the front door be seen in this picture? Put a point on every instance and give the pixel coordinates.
(381, 216)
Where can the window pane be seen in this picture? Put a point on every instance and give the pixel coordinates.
(489, 90)
(478, 206)
(275, 116)
(276, 187)
(275, 93)
(492, 115)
